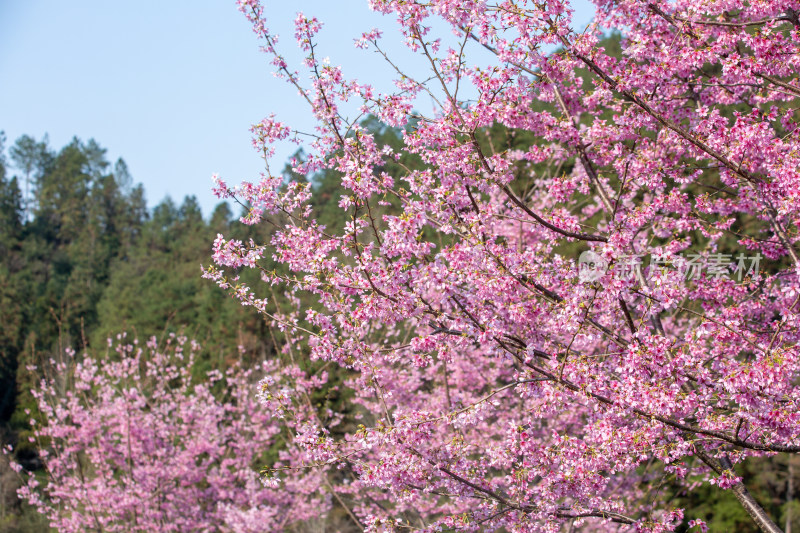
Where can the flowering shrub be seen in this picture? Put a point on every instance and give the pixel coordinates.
(497, 387)
(134, 445)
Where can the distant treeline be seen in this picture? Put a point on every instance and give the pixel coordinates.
(82, 258)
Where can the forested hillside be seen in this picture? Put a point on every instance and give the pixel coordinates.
(82, 259)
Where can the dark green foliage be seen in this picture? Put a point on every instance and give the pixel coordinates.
(156, 287)
(81, 259)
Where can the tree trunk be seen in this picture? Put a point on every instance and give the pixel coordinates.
(753, 508)
(789, 496)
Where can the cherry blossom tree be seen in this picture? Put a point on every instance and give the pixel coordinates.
(586, 292)
(130, 443)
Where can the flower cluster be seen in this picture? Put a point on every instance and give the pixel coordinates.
(133, 444)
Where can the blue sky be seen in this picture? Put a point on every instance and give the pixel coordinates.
(172, 87)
